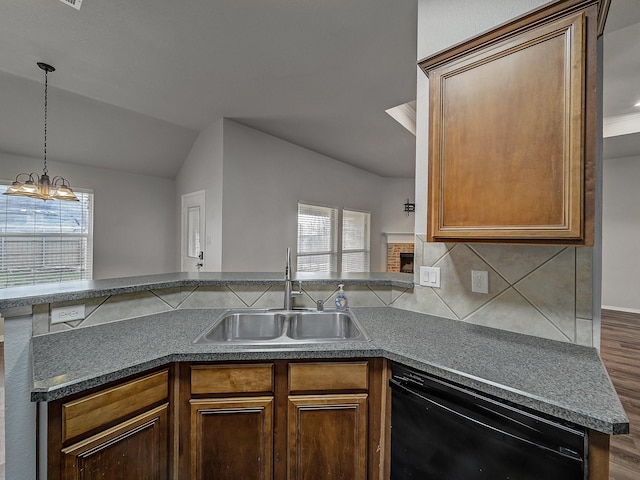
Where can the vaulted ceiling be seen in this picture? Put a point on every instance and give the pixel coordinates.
(137, 80)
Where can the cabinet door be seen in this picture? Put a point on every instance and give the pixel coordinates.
(327, 437)
(507, 154)
(133, 450)
(232, 438)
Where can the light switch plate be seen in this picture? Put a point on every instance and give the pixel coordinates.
(430, 277)
(67, 314)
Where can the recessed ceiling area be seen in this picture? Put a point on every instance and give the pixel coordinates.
(136, 81)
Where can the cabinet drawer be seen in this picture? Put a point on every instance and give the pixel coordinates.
(101, 408)
(213, 379)
(328, 376)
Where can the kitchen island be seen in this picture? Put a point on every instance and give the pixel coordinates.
(561, 380)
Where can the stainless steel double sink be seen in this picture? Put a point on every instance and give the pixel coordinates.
(282, 327)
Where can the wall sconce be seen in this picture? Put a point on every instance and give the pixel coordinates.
(409, 207)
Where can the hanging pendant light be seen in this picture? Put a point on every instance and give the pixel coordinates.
(41, 186)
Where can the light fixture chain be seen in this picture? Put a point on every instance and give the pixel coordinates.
(46, 88)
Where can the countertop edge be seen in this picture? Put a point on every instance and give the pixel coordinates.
(372, 349)
(49, 394)
(613, 427)
(53, 293)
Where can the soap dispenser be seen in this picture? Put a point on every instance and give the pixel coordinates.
(341, 299)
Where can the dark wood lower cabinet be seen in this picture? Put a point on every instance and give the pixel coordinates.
(133, 450)
(232, 438)
(327, 437)
(279, 420)
(291, 420)
(119, 432)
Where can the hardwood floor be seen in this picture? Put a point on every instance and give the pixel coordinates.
(620, 352)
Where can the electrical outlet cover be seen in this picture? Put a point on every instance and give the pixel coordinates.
(67, 314)
(479, 281)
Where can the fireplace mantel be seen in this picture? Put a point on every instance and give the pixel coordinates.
(399, 237)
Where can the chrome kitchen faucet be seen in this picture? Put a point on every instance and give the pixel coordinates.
(289, 293)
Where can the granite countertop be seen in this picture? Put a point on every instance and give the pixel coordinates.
(560, 379)
(62, 292)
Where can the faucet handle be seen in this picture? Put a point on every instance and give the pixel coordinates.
(320, 305)
(287, 265)
(299, 291)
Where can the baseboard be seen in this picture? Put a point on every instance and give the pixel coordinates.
(620, 309)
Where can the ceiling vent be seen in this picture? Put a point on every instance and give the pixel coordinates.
(73, 3)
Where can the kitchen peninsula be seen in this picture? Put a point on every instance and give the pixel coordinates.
(560, 380)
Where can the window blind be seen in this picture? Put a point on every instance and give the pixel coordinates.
(317, 238)
(45, 242)
(356, 241)
(320, 228)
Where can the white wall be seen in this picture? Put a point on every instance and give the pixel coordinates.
(133, 231)
(253, 182)
(621, 234)
(451, 22)
(395, 192)
(20, 413)
(265, 177)
(203, 170)
(393, 219)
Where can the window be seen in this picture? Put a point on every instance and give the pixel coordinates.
(332, 239)
(317, 238)
(355, 241)
(44, 242)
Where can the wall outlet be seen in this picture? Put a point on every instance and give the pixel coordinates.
(479, 281)
(430, 277)
(67, 314)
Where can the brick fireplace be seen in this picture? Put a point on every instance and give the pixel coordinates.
(400, 249)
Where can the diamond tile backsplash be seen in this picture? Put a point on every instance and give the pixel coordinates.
(535, 290)
(131, 305)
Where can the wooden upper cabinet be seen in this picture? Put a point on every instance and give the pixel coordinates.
(513, 131)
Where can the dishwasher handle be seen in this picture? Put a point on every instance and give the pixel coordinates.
(565, 452)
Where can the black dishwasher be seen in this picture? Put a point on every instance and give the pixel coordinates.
(442, 431)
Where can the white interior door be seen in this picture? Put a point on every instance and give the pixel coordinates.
(193, 232)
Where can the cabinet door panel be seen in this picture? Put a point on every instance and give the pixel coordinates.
(232, 438)
(327, 437)
(133, 450)
(507, 141)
